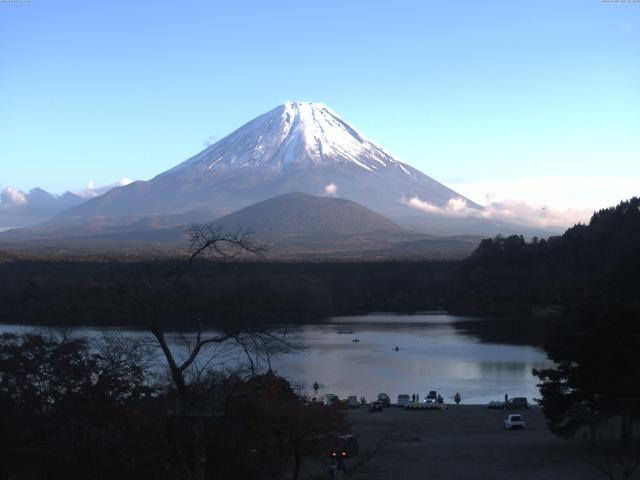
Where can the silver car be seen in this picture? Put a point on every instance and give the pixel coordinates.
(514, 422)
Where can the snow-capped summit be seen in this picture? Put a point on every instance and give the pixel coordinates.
(292, 135)
(296, 147)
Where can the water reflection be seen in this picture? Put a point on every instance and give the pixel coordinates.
(501, 368)
(433, 353)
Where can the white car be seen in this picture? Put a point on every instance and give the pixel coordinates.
(514, 422)
(432, 397)
(404, 400)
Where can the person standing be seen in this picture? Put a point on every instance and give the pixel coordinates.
(506, 398)
(333, 469)
(457, 398)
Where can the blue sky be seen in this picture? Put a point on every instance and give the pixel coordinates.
(538, 101)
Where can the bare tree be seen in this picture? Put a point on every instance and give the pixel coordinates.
(211, 239)
(190, 412)
(615, 460)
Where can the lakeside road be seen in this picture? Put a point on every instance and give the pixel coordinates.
(465, 442)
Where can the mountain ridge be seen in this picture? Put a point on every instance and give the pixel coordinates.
(297, 146)
(300, 214)
(293, 225)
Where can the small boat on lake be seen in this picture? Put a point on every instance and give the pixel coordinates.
(355, 340)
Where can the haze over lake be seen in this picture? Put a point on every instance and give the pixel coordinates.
(434, 353)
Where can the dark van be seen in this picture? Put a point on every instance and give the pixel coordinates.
(347, 446)
(516, 403)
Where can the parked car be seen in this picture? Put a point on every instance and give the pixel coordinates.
(330, 399)
(353, 402)
(495, 404)
(514, 422)
(404, 400)
(347, 446)
(384, 399)
(376, 406)
(516, 403)
(432, 397)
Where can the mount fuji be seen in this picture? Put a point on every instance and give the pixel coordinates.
(296, 147)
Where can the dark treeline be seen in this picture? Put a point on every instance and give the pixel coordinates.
(87, 292)
(594, 263)
(591, 274)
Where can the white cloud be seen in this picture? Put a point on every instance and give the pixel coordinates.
(536, 214)
(510, 210)
(18, 208)
(562, 193)
(92, 191)
(455, 207)
(12, 197)
(331, 189)
(537, 201)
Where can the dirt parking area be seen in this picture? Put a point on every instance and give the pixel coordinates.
(462, 443)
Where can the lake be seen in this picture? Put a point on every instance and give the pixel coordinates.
(435, 352)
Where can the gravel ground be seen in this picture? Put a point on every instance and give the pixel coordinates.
(462, 443)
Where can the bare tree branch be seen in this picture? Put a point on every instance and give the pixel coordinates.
(211, 238)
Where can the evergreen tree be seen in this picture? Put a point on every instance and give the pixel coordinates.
(597, 375)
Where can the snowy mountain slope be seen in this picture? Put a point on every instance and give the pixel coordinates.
(293, 135)
(297, 146)
(304, 145)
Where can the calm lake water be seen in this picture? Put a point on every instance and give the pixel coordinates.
(434, 353)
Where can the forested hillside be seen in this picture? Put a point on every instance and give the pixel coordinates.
(594, 263)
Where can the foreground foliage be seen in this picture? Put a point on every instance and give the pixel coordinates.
(74, 409)
(597, 377)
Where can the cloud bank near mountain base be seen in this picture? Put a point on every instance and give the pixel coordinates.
(531, 214)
